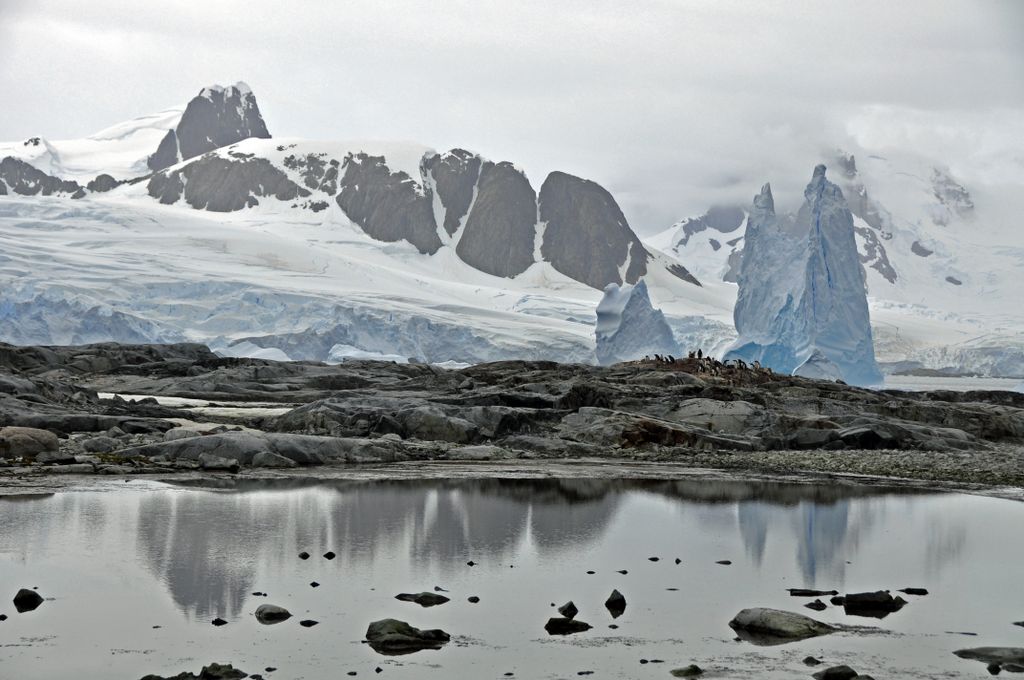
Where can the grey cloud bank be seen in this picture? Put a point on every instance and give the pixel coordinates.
(670, 105)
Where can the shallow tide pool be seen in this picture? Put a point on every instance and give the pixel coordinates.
(133, 578)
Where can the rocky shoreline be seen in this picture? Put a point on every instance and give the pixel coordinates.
(329, 420)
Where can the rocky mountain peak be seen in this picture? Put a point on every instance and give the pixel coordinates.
(217, 116)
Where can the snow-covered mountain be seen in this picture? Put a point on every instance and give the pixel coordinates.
(944, 267)
(310, 249)
(307, 249)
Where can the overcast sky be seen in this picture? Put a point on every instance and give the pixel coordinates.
(671, 105)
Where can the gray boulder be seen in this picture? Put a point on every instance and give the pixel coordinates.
(269, 614)
(269, 459)
(763, 626)
(393, 637)
(209, 461)
(26, 441)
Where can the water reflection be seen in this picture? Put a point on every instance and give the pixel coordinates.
(207, 548)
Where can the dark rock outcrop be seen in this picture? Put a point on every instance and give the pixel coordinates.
(389, 206)
(586, 236)
(454, 178)
(500, 231)
(27, 180)
(224, 184)
(103, 183)
(216, 117)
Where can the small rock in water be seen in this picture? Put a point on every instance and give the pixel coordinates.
(392, 637)
(616, 604)
(691, 671)
(568, 610)
(877, 604)
(762, 626)
(564, 626)
(259, 594)
(724, 562)
(308, 623)
(314, 584)
(303, 555)
(3, 617)
(473, 599)
(915, 591)
(678, 561)
(994, 669)
(439, 589)
(613, 626)
(623, 572)
(329, 555)
(836, 673)
(27, 600)
(591, 572)
(653, 559)
(422, 599)
(1019, 623)
(378, 669)
(269, 614)
(817, 605)
(811, 661)
(219, 622)
(805, 592)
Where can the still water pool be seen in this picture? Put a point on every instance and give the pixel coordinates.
(133, 578)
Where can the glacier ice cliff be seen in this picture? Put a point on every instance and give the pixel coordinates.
(629, 327)
(802, 298)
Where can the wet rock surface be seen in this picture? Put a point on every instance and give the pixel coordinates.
(394, 637)
(762, 626)
(692, 412)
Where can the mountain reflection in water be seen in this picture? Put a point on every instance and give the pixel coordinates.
(208, 547)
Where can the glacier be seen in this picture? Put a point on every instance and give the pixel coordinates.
(629, 327)
(802, 300)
